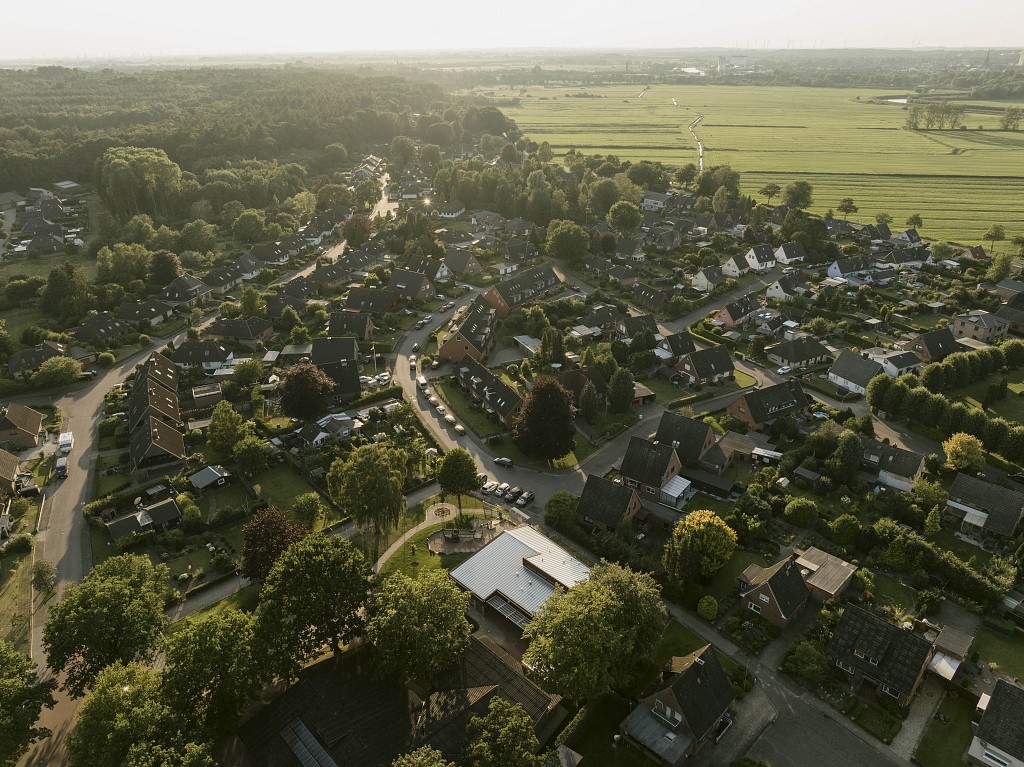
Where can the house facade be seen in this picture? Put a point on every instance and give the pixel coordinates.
(777, 593)
(980, 325)
(760, 408)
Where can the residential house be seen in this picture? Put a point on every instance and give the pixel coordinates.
(470, 333)
(1013, 313)
(525, 286)
(827, 576)
(332, 276)
(275, 305)
(799, 352)
(251, 332)
(790, 253)
(102, 330)
(26, 362)
(519, 227)
(736, 312)
(876, 232)
(10, 465)
(520, 251)
(853, 372)
(673, 723)
(159, 368)
(151, 312)
(761, 258)
(462, 263)
(630, 326)
(336, 426)
(980, 325)
(495, 396)
(338, 358)
(985, 511)
(706, 366)
(155, 442)
(650, 297)
(852, 265)
(249, 266)
(664, 239)
(223, 278)
(648, 467)
(909, 237)
(606, 505)
(735, 266)
(162, 515)
(487, 219)
(356, 324)
(788, 287)
(210, 476)
(185, 290)
(207, 354)
(516, 573)
(778, 214)
(934, 345)
(20, 427)
(760, 408)
(654, 201)
(674, 346)
(151, 399)
(372, 300)
(293, 244)
(896, 467)
(690, 438)
(630, 249)
(436, 269)
(411, 286)
(43, 244)
(707, 279)
(301, 288)
(894, 362)
(999, 737)
(205, 396)
(1009, 288)
(574, 380)
(271, 254)
(870, 649)
(776, 593)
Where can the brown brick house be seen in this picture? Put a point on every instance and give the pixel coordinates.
(777, 593)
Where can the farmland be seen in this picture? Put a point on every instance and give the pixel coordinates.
(960, 181)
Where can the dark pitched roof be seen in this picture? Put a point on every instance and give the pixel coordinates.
(247, 329)
(223, 275)
(799, 350)
(149, 397)
(786, 583)
(680, 343)
(475, 325)
(879, 649)
(458, 260)
(9, 464)
(327, 350)
(348, 323)
(777, 401)
(193, 352)
(100, 328)
(1003, 506)
(372, 300)
(425, 265)
(604, 501)
(630, 326)
(701, 688)
(488, 388)
(276, 304)
(160, 369)
(153, 437)
(763, 254)
(686, 435)
(646, 461)
(743, 306)
(183, 288)
(713, 274)
(793, 250)
(850, 366)
(895, 460)
(23, 418)
(940, 343)
(146, 310)
(710, 362)
(524, 286)
(650, 296)
(407, 284)
(1001, 724)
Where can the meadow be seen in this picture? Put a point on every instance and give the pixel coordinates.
(845, 144)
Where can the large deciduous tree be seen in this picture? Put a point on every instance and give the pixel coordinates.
(357, 230)
(310, 508)
(265, 537)
(620, 391)
(588, 402)
(138, 179)
(250, 226)
(303, 391)
(996, 233)
(66, 294)
(227, 428)
(798, 195)
(593, 638)
(546, 426)
(625, 216)
(768, 191)
(163, 267)
(503, 738)
(456, 474)
(847, 206)
(22, 699)
(567, 240)
(417, 626)
(964, 452)
(57, 371)
(424, 756)
(368, 485)
(700, 546)
(250, 455)
(115, 614)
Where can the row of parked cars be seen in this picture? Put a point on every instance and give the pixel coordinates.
(507, 493)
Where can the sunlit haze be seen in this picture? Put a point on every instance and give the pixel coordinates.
(66, 29)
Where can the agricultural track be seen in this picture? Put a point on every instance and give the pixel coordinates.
(700, 146)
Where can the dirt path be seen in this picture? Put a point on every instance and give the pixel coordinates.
(700, 146)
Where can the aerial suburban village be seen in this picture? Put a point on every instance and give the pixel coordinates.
(400, 437)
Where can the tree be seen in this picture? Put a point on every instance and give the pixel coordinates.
(137, 179)
(250, 455)
(314, 597)
(847, 206)
(1010, 118)
(250, 226)
(357, 230)
(424, 756)
(847, 457)
(700, 545)
(121, 263)
(369, 486)
(768, 191)
(303, 391)
(798, 195)
(417, 627)
(252, 304)
(914, 221)
(801, 512)
(588, 402)
(1000, 267)
(366, 194)
(545, 426)
(567, 240)
(707, 608)
(503, 738)
(177, 752)
(198, 236)
(964, 452)
(227, 427)
(247, 373)
(23, 696)
(115, 614)
(625, 216)
(164, 267)
(266, 536)
(807, 663)
(44, 576)
(593, 638)
(309, 508)
(995, 234)
(1018, 243)
(456, 474)
(66, 294)
(212, 673)
(560, 510)
(933, 522)
(57, 371)
(845, 529)
(720, 201)
(620, 391)
(883, 218)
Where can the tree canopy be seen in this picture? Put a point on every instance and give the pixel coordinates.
(303, 391)
(456, 474)
(700, 545)
(23, 696)
(267, 534)
(546, 426)
(369, 486)
(503, 738)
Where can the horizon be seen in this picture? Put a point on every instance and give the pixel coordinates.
(115, 30)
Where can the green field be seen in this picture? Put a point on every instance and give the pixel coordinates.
(959, 181)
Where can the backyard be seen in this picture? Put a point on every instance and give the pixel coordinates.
(1007, 652)
(889, 591)
(944, 743)
(280, 485)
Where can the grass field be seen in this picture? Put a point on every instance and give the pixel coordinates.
(15, 589)
(1007, 652)
(943, 745)
(959, 181)
(423, 561)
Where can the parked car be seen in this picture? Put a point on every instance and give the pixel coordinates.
(460, 429)
(434, 401)
(412, 360)
(427, 319)
(416, 346)
(482, 478)
(489, 488)
(435, 363)
(441, 410)
(443, 308)
(525, 499)
(501, 489)
(513, 494)
(503, 461)
(440, 297)
(384, 378)
(785, 370)
(450, 419)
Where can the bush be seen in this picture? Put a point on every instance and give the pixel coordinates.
(20, 544)
(105, 360)
(801, 512)
(707, 608)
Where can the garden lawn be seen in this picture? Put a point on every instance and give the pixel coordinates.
(878, 722)
(1006, 651)
(245, 600)
(720, 507)
(725, 581)
(962, 549)
(743, 380)
(1010, 408)
(230, 496)
(414, 565)
(617, 421)
(943, 745)
(280, 485)
(889, 591)
(594, 741)
(663, 390)
(108, 483)
(15, 599)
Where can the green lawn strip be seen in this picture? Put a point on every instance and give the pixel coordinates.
(720, 507)
(100, 543)
(280, 485)
(415, 564)
(1007, 652)
(111, 459)
(889, 591)
(878, 722)
(108, 483)
(15, 599)
(245, 599)
(664, 391)
(962, 549)
(743, 380)
(943, 745)
(230, 496)
(725, 581)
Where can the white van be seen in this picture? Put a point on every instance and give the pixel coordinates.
(421, 382)
(66, 442)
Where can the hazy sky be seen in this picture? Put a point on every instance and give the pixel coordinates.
(117, 28)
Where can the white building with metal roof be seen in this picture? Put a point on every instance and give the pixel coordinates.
(517, 572)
